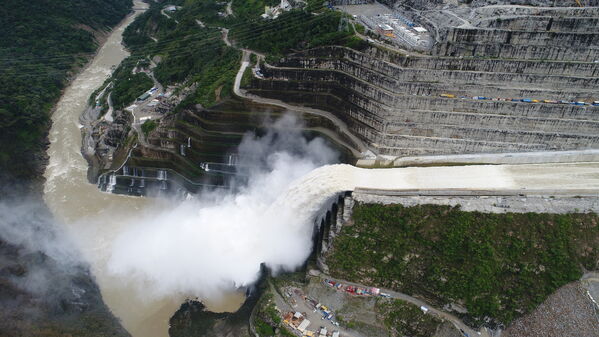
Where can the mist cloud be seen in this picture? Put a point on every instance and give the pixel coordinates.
(217, 240)
(40, 262)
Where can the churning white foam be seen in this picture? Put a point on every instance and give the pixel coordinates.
(215, 241)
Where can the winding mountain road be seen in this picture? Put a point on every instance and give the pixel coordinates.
(420, 303)
(229, 10)
(359, 149)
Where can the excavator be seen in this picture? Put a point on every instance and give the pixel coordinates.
(579, 4)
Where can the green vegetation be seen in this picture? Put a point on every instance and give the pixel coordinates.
(148, 126)
(41, 43)
(263, 329)
(189, 54)
(192, 52)
(247, 77)
(128, 86)
(355, 42)
(249, 9)
(294, 30)
(267, 320)
(214, 79)
(267, 317)
(404, 319)
(497, 265)
(285, 332)
(360, 29)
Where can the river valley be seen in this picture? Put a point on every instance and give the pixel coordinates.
(273, 214)
(94, 218)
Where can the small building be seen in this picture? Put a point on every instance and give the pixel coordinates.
(131, 107)
(420, 29)
(335, 333)
(385, 29)
(303, 325)
(171, 8)
(143, 97)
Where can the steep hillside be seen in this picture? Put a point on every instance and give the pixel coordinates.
(191, 120)
(45, 289)
(499, 78)
(41, 44)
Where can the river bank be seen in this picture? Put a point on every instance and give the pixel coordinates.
(94, 218)
(76, 203)
(46, 288)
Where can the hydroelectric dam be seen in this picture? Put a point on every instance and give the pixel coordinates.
(238, 229)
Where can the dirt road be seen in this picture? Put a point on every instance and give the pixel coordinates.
(359, 148)
(420, 303)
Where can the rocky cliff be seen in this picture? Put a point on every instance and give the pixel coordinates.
(487, 61)
(196, 148)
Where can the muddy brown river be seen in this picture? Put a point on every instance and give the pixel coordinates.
(94, 218)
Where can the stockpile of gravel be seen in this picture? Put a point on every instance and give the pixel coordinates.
(567, 313)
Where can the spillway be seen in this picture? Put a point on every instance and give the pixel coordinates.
(223, 239)
(309, 194)
(96, 220)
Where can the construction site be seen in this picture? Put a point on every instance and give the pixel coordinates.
(495, 77)
(391, 25)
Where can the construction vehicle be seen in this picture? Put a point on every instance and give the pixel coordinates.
(447, 95)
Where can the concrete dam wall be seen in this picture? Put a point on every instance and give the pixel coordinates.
(557, 33)
(397, 108)
(392, 99)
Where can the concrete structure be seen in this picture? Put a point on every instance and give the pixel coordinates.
(490, 59)
(393, 100)
(303, 325)
(385, 29)
(144, 96)
(488, 158)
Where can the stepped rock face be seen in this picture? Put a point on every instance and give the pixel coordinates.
(503, 52)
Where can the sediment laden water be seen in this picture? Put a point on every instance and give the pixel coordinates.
(96, 220)
(88, 214)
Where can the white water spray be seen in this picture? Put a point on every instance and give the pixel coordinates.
(211, 243)
(216, 241)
